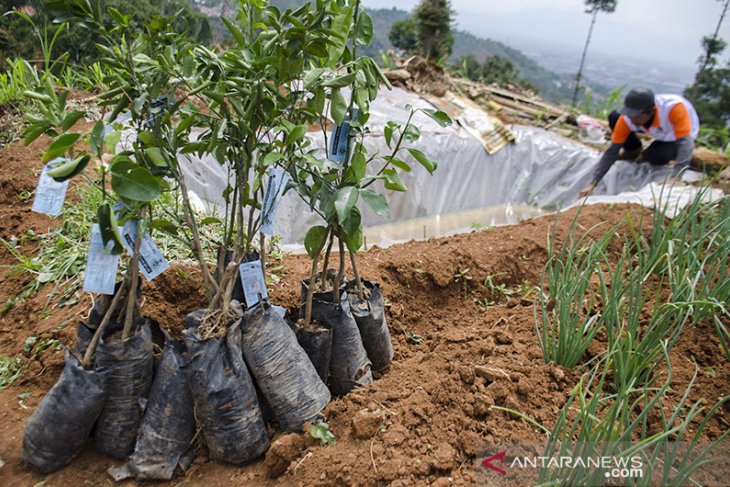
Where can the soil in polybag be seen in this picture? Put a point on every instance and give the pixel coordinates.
(225, 401)
(369, 315)
(319, 294)
(59, 427)
(316, 341)
(130, 365)
(349, 366)
(282, 370)
(168, 426)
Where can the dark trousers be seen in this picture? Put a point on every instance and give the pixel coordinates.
(658, 153)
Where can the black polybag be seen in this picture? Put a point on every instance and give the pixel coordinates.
(316, 341)
(370, 318)
(130, 365)
(282, 370)
(59, 427)
(168, 426)
(225, 401)
(350, 366)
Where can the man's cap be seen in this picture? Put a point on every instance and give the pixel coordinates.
(638, 101)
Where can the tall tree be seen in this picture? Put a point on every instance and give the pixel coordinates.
(710, 92)
(433, 21)
(593, 7)
(713, 45)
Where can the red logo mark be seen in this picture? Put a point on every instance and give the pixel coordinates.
(487, 462)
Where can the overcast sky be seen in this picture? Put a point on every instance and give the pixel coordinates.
(667, 31)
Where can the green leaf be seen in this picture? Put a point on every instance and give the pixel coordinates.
(33, 132)
(358, 165)
(296, 134)
(314, 240)
(352, 231)
(134, 182)
(393, 181)
(139, 102)
(424, 160)
(71, 119)
(441, 118)
(96, 141)
(235, 31)
(272, 158)
(338, 107)
(345, 200)
(147, 138)
(60, 145)
(109, 228)
(388, 131)
(188, 66)
(164, 226)
(340, 81)
(312, 76)
(155, 156)
(211, 220)
(69, 169)
(364, 29)
(112, 140)
(376, 202)
(412, 133)
(402, 165)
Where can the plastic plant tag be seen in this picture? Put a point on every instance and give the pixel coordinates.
(279, 310)
(151, 261)
(339, 139)
(101, 265)
(158, 107)
(275, 186)
(253, 282)
(50, 194)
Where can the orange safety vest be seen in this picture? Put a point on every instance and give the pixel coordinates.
(674, 118)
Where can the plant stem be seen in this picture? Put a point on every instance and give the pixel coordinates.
(310, 288)
(197, 250)
(356, 273)
(340, 274)
(91, 348)
(132, 297)
(262, 243)
(323, 284)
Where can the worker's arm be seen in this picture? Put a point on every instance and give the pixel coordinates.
(685, 147)
(609, 157)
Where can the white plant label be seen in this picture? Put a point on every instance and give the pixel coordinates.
(151, 261)
(253, 282)
(101, 265)
(275, 186)
(49, 195)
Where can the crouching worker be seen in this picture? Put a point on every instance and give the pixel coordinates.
(670, 119)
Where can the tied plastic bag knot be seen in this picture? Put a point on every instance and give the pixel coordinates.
(590, 130)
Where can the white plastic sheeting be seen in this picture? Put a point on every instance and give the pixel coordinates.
(540, 169)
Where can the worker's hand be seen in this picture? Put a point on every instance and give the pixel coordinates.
(587, 191)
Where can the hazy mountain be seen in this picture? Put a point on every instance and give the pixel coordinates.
(552, 86)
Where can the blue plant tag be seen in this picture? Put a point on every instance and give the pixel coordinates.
(275, 186)
(339, 138)
(253, 282)
(157, 108)
(49, 194)
(151, 261)
(101, 265)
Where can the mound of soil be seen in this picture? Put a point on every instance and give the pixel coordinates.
(460, 348)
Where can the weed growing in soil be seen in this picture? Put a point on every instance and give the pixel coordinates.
(10, 370)
(321, 431)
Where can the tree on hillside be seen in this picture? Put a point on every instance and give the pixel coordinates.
(593, 7)
(433, 21)
(713, 45)
(404, 34)
(710, 92)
